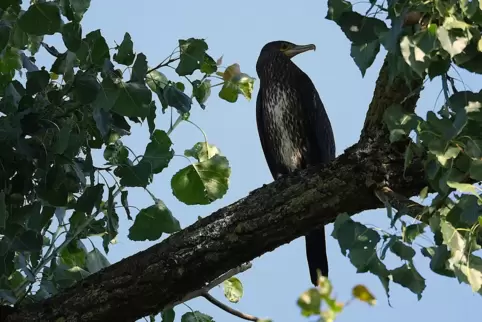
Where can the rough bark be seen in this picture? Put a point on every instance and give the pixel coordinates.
(267, 218)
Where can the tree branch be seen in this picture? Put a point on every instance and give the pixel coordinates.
(402, 203)
(228, 309)
(214, 283)
(267, 218)
(385, 95)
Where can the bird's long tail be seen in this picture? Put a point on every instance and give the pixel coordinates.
(316, 253)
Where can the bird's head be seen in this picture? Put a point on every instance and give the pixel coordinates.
(279, 52)
(286, 48)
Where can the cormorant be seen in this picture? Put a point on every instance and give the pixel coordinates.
(293, 127)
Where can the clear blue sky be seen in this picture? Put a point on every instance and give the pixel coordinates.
(238, 30)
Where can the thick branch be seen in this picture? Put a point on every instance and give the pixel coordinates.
(387, 94)
(267, 218)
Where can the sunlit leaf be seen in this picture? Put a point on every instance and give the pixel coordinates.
(202, 182)
(233, 289)
(152, 221)
(363, 294)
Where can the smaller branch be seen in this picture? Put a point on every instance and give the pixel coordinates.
(214, 283)
(402, 203)
(171, 60)
(228, 309)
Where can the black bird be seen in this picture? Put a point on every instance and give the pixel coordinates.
(293, 127)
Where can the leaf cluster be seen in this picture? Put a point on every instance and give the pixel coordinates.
(53, 194)
(425, 39)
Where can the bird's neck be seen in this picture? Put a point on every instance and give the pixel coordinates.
(274, 67)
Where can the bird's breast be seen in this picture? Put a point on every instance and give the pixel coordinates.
(284, 129)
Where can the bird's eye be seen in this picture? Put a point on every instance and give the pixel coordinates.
(284, 47)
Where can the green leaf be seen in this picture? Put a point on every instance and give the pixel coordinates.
(11, 99)
(468, 204)
(103, 120)
(407, 276)
(462, 187)
(192, 52)
(236, 83)
(470, 272)
(439, 259)
(416, 50)
(438, 66)
(112, 221)
(4, 34)
(452, 238)
(91, 197)
(18, 38)
(95, 261)
(156, 79)
(352, 235)
(37, 81)
(196, 316)
(152, 221)
(177, 99)
(360, 29)
(133, 100)
(158, 152)
(364, 55)
(403, 251)
(208, 66)
(476, 169)
(10, 61)
(93, 50)
(452, 43)
(63, 138)
(41, 19)
(310, 302)
(168, 315)
(233, 289)
(125, 203)
(116, 153)
(72, 36)
(203, 182)
(139, 70)
(410, 232)
(138, 175)
(86, 87)
(125, 51)
(399, 123)
(64, 65)
(201, 91)
(3, 210)
(336, 8)
(202, 151)
(28, 241)
(74, 254)
(79, 7)
(151, 117)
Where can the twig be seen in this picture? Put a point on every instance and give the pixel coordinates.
(171, 60)
(228, 309)
(402, 203)
(214, 283)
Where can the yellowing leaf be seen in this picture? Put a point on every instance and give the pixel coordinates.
(233, 289)
(236, 83)
(363, 294)
(310, 302)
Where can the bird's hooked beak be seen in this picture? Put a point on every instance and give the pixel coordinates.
(298, 49)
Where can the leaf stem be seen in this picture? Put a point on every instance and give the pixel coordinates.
(173, 126)
(204, 134)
